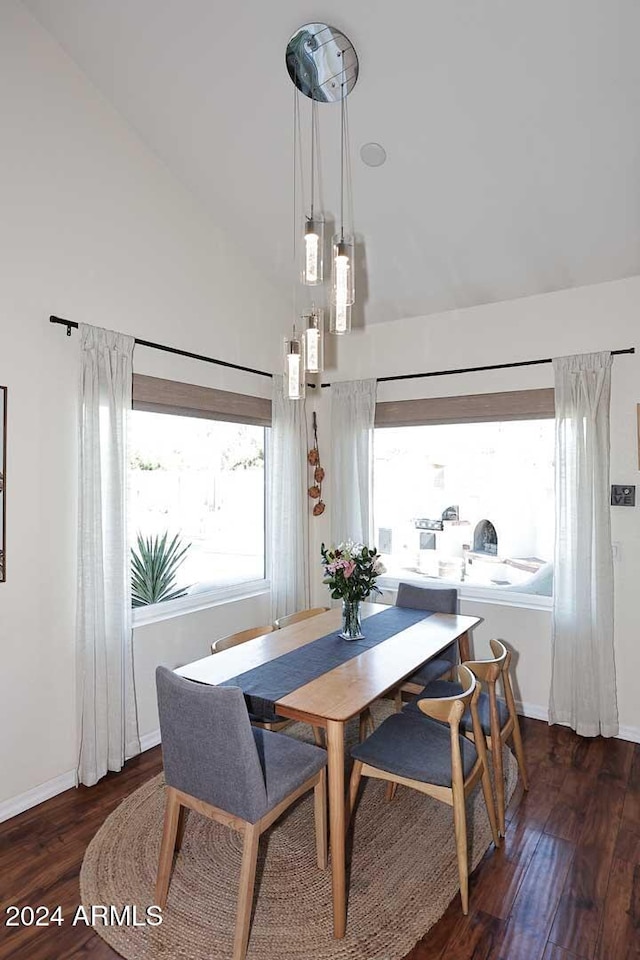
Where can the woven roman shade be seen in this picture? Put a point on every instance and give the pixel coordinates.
(474, 408)
(188, 400)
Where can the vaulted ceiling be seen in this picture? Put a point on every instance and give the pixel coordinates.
(512, 131)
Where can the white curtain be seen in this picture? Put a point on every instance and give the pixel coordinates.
(583, 687)
(353, 407)
(106, 699)
(289, 518)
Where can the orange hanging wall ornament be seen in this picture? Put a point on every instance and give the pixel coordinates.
(313, 458)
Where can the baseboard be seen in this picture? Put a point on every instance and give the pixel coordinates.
(31, 798)
(532, 710)
(629, 733)
(536, 712)
(45, 791)
(150, 740)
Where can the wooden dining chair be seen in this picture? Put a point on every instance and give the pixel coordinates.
(498, 717)
(218, 765)
(297, 617)
(272, 723)
(423, 748)
(233, 639)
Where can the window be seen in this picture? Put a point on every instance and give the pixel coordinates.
(198, 482)
(468, 503)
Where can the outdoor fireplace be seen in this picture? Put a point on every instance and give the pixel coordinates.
(485, 538)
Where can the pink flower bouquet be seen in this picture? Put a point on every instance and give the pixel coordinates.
(350, 570)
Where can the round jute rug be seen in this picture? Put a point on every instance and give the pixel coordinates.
(403, 874)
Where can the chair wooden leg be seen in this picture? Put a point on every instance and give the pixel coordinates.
(320, 817)
(182, 823)
(365, 725)
(390, 792)
(481, 748)
(464, 647)
(498, 774)
(488, 799)
(245, 892)
(397, 697)
(317, 736)
(460, 827)
(370, 722)
(167, 847)
(517, 743)
(354, 783)
(362, 728)
(515, 733)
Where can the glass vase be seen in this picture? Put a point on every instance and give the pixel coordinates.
(351, 627)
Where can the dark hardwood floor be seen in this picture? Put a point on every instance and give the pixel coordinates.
(564, 886)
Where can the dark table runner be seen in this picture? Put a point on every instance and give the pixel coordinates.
(265, 684)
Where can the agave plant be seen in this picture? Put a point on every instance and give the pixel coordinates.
(153, 569)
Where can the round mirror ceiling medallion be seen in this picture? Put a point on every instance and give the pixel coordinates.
(322, 62)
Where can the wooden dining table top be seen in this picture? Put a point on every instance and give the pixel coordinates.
(346, 690)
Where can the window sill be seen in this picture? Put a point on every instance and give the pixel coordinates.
(474, 592)
(194, 602)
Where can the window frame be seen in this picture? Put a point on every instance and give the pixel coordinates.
(157, 395)
(536, 404)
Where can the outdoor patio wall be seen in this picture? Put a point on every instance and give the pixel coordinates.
(93, 228)
(605, 316)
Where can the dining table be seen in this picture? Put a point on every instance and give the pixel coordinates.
(307, 672)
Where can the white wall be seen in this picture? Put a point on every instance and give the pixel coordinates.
(601, 317)
(92, 228)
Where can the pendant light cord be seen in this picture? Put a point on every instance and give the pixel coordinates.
(313, 152)
(349, 178)
(342, 106)
(294, 246)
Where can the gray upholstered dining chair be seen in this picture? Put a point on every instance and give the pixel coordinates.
(424, 749)
(217, 764)
(434, 600)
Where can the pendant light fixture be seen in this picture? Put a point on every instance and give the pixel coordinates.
(313, 245)
(294, 372)
(323, 66)
(314, 340)
(342, 250)
(313, 263)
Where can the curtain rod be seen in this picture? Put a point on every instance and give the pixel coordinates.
(160, 346)
(401, 376)
(490, 366)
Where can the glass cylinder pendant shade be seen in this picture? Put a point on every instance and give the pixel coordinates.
(294, 379)
(342, 283)
(340, 318)
(314, 341)
(313, 252)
